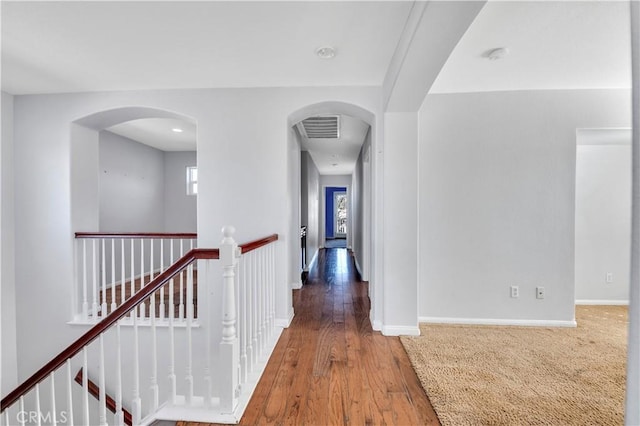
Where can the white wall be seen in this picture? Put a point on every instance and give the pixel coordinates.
(132, 186)
(310, 211)
(603, 215)
(360, 204)
(294, 257)
(242, 182)
(497, 198)
(400, 224)
(180, 209)
(9, 374)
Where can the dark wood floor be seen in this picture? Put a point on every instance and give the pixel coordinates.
(330, 368)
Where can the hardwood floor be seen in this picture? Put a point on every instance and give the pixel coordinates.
(176, 295)
(330, 368)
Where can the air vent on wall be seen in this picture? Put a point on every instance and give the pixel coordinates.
(324, 127)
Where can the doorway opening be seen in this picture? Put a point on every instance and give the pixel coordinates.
(602, 216)
(336, 213)
(320, 162)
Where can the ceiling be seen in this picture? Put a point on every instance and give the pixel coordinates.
(552, 45)
(75, 46)
(159, 133)
(337, 156)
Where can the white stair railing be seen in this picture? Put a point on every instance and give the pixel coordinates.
(111, 267)
(131, 362)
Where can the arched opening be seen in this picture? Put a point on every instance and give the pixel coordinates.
(133, 173)
(338, 160)
(130, 170)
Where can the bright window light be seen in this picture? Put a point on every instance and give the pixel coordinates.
(192, 180)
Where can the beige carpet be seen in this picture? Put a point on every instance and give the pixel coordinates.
(483, 375)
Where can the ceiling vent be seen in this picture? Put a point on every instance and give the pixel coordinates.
(325, 127)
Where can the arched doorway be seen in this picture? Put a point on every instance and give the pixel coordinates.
(305, 202)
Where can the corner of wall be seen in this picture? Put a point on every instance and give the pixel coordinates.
(9, 345)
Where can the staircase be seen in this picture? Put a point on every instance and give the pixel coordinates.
(150, 352)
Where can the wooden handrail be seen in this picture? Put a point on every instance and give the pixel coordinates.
(94, 390)
(107, 322)
(135, 300)
(178, 235)
(246, 248)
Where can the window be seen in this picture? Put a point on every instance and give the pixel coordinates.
(340, 214)
(192, 180)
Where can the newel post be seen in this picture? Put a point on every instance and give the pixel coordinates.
(229, 350)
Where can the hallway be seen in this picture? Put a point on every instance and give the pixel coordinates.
(330, 367)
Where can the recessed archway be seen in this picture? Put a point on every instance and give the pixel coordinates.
(362, 196)
(85, 162)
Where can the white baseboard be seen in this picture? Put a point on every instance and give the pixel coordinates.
(489, 321)
(285, 323)
(602, 302)
(376, 325)
(297, 285)
(400, 330)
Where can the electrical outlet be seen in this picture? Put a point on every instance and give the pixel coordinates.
(515, 291)
(539, 292)
(609, 277)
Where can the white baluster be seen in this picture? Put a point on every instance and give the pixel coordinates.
(249, 308)
(119, 414)
(265, 299)
(242, 297)
(256, 299)
(172, 341)
(85, 300)
(269, 292)
(272, 291)
(94, 306)
(142, 305)
(76, 297)
(264, 284)
(189, 372)
(132, 284)
(136, 403)
(22, 418)
(209, 325)
(102, 384)
(181, 305)
(114, 305)
(85, 387)
(54, 420)
(123, 272)
(261, 293)
(154, 355)
(7, 418)
(69, 394)
(38, 410)
(229, 346)
(172, 345)
(103, 267)
(162, 289)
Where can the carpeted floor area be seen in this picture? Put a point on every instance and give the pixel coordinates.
(484, 375)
